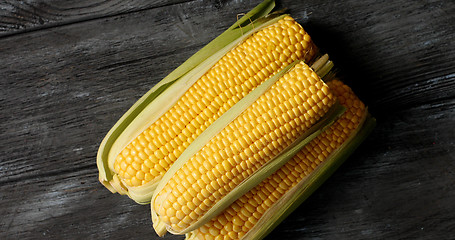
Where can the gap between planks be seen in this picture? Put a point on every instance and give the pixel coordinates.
(95, 17)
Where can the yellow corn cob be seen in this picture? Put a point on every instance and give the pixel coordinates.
(262, 55)
(272, 123)
(244, 214)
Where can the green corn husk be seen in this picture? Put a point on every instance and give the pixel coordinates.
(291, 200)
(161, 97)
(273, 165)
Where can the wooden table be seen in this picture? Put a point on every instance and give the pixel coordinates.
(69, 70)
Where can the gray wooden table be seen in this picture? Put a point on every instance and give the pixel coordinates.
(70, 69)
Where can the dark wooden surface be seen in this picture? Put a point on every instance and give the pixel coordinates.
(70, 69)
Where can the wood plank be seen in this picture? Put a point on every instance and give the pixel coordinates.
(23, 16)
(63, 86)
(61, 207)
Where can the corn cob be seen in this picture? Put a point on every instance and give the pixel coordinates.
(229, 120)
(200, 185)
(251, 216)
(143, 151)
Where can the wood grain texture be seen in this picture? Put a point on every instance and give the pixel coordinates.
(23, 16)
(65, 82)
